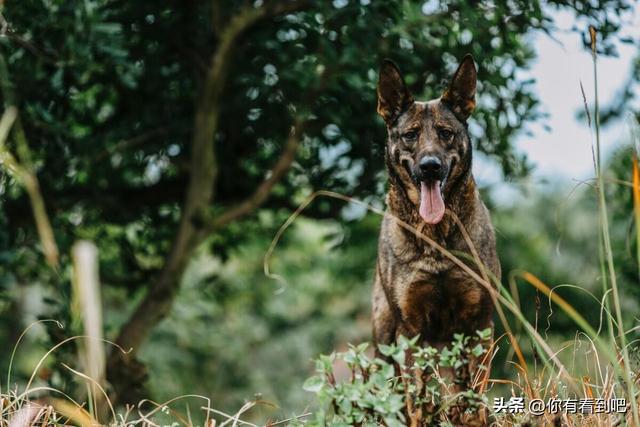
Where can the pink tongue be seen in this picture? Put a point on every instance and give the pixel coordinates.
(431, 203)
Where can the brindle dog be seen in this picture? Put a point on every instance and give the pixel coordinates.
(417, 289)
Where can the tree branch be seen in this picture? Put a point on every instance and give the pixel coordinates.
(261, 194)
(127, 144)
(216, 17)
(23, 170)
(199, 192)
(7, 31)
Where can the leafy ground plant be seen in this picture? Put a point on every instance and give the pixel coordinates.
(404, 384)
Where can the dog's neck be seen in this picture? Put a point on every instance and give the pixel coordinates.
(460, 200)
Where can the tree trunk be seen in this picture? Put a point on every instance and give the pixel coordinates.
(126, 374)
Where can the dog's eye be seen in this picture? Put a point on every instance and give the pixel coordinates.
(445, 134)
(410, 136)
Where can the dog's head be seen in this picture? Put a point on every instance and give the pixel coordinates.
(428, 147)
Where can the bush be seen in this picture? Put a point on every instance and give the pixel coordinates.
(407, 385)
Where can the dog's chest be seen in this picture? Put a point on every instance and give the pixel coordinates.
(434, 297)
(416, 252)
(437, 305)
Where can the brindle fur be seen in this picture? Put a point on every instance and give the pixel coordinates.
(417, 290)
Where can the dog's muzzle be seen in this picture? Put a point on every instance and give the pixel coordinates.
(431, 175)
(431, 168)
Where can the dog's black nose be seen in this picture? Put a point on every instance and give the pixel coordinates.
(430, 166)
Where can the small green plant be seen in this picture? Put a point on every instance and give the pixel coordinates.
(407, 385)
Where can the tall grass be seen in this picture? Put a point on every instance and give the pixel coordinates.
(606, 239)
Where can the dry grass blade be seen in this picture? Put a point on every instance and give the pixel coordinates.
(230, 418)
(76, 414)
(485, 276)
(28, 388)
(97, 386)
(297, 417)
(236, 418)
(17, 344)
(538, 284)
(572, 313)
(18, 401)
(636, 202)
(145, 417)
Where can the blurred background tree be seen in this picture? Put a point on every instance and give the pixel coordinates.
(180, 135)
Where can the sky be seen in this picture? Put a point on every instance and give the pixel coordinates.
(563, 154)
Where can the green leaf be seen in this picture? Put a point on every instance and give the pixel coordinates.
(313, 384)
(387, 350)
(485, 334)
(478, 350)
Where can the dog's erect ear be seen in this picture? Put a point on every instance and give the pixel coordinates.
(460, 96)
(393, 96)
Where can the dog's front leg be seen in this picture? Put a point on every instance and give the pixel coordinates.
(384, 322)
